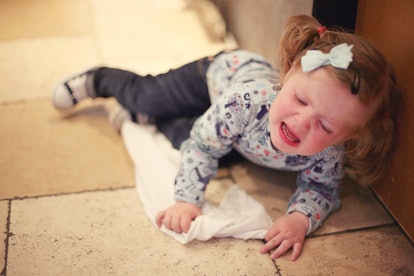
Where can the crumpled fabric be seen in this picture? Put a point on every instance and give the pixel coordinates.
(156, 164)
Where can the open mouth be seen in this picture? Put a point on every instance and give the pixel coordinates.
(289, 135)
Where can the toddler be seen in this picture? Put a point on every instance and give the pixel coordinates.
(328, 110)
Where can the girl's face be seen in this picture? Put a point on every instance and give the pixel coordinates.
(312, 112)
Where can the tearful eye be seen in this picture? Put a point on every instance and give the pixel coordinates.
(325, 128)
(301, 101)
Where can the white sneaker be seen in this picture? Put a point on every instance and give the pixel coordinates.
(72, 90)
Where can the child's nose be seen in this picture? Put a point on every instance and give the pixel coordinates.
(304, 121)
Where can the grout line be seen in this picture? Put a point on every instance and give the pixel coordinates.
(278, 270)
(354, 230)
(39, 99)
(6, 240)
(70, 193)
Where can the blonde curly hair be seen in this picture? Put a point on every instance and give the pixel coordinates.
(370, 77)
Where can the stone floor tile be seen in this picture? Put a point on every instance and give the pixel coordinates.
(43, 153)
(4, 213)
(36, 18)
(378, 251)
(31, 68)
(271, 188)
(125, 40)
(217, 188)
(359, 209)
(108, 232)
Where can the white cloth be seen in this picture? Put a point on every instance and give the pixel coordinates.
(156, 164)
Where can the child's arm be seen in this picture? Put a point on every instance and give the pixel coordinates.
(213, 135)
(287, 232)
(199, 164)
(319, 185)
(316, 197)
(178, 217)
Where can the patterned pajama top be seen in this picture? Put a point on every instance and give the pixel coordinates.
(242, 86)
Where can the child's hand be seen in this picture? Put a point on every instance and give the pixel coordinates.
(178, 217)
(286, 232)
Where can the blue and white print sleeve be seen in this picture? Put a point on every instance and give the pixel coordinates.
(318, 190)
(213, 134)
(231, 67)
(211, 137)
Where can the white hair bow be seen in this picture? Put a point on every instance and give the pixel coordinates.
(340, 56)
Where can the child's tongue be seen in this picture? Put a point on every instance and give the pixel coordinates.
(289, 134)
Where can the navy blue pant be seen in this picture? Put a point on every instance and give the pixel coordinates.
(174, 100)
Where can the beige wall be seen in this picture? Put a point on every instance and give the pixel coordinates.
(258, 25)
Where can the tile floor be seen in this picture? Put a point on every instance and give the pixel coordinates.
(68, 204)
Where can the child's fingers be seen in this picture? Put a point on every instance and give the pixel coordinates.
(272, 243)
(159, 218)
(186, 224)
(176, 224)
(167, 221)
(271, 233)
(297, 249)
(281, 249)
